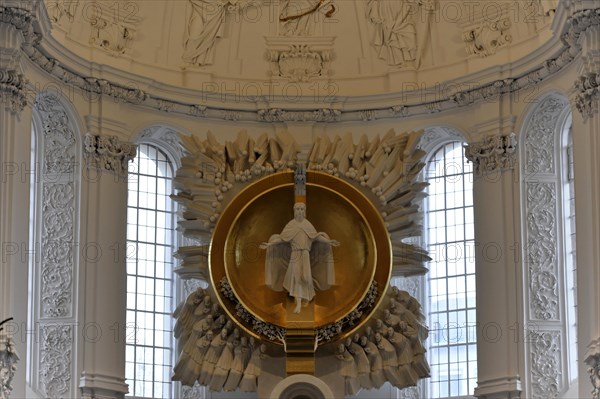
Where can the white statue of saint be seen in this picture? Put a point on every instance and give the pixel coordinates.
(299, 259)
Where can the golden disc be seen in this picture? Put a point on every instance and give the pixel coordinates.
(264, 208)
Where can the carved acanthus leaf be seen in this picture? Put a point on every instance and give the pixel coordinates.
(57, 241)
(588, 93)
(12, 90)
(108, 153)
(541, 250)
(539, 137)
(545, 364)
(493, 153)
(55, 359)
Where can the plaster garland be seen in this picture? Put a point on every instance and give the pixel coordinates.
(24, 20)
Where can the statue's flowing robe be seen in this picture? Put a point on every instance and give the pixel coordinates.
(205, 24)
(298, 262)
(395, 33)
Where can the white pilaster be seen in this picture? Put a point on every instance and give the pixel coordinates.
(15, 178)
(104, 212)
(496, 212)
(586, 153)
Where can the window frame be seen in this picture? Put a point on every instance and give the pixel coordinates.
(433, 151)
(175, 239)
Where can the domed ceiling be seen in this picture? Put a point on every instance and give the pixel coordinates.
(301, 48)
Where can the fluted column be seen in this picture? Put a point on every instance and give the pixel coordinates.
(496, 213)
(104, 215)
(15, 178)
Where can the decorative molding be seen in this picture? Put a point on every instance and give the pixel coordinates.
(99, 386)
(113, 31)
(485, 38)
(542, 243)
(546, 365)
(499, 388)
(168, 138)
(192, 285)
(539, 137)
(543, 281)
(8, 365)
(299, 59)
(410, 393)
(409, 284)
(577, 23)
(108, 153)
(436, 135)
(59, 138)
(55, 270)
(592, 359)
(588, 93)
(58, 211)
(55, 359)
(280, 115)
(195, 392)
(12, 90)
(493, 153)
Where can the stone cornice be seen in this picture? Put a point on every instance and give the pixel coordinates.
(494, 153)
(565, 46)
(108, 153)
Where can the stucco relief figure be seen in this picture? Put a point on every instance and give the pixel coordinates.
(395, 32)
(299, 259)
(204, 26)
(398, 38)
(299, 17)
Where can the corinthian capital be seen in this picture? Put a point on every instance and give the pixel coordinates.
(108, 153)
(12, 90)
(493, 153)
(587, 93)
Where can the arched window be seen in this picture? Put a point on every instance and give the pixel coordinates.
(451, 279)
(150, 286)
